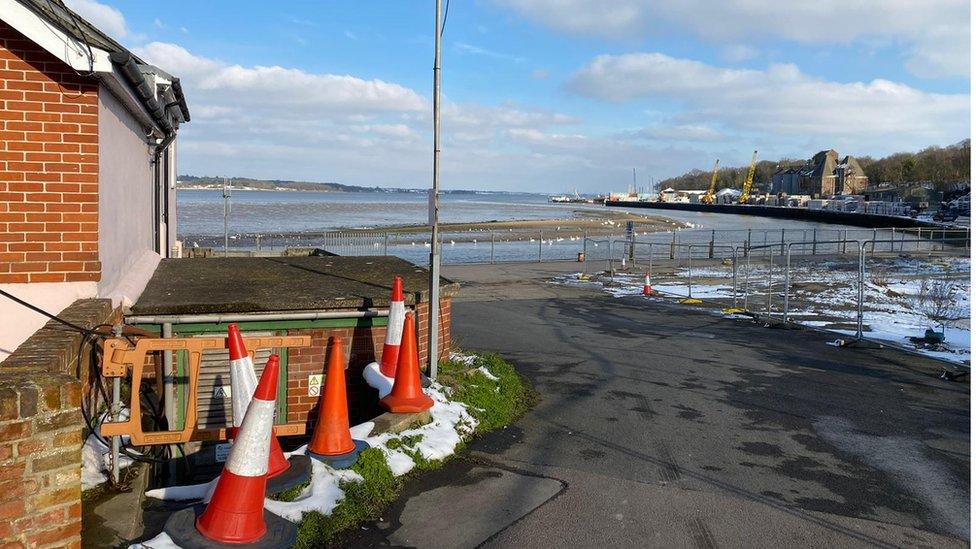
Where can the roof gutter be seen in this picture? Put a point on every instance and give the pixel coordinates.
(221, 318)
(133, 75)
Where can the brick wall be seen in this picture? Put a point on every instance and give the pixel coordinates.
(41, 433)
(48, 167)
(362, 345)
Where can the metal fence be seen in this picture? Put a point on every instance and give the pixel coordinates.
(569, 244)
(760, 279)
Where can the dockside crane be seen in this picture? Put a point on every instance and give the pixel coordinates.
(747, 186)
(709, 197)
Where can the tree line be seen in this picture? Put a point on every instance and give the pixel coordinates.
(940, 165)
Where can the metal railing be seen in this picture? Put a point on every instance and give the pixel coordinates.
(567, 244)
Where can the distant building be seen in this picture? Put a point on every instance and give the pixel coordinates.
(822, 175)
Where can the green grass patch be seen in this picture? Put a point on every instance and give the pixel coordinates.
(493, 403)
(364, 501)
(292, 493)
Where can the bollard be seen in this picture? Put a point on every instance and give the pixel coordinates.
(782, 242)
(711, 246)
(674, 242)
(845, 242)
(814, 242)
(892, 239)
(491, 251)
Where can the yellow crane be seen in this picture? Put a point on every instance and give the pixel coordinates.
(709, 197)
(747, 186)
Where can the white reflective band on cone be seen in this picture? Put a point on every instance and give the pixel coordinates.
(394, 326)
(249, 454)
(243, 382)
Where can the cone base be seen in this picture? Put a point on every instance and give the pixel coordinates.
(298, 472)
(400, 405)
(341, 461)
(181, 527)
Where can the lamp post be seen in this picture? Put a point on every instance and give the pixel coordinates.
(433, 323)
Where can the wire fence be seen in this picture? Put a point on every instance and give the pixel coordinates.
(572, 244)
(884, 287)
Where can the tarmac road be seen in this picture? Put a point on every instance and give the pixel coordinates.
(670, 427)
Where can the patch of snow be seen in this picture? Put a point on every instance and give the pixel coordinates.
(484, 371)
(321, 495)
(96, 457)
(162, 541)
(467, 360)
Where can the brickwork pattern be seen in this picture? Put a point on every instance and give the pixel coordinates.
(363, 345)
(41, 430)
(48, 166)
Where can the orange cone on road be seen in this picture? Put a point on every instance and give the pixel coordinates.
(647, 285)
(236, 514)
(407, 395)
(332, 442)
(283, 473)
(394, 330)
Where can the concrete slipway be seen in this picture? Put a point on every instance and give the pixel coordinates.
(670, 427)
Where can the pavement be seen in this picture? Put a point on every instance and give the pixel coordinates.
(664, 426)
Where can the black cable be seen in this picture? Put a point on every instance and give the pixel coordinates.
(56, 318)
(447, 9)
(83, 38)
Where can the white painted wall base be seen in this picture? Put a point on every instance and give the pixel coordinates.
(18, 323)
(129, 287)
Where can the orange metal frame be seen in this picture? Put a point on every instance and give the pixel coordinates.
(119, 356)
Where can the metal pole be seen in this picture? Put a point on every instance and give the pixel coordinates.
(386, 243)
(860, 293)
(786, 288)
(814, 242)
(674, 241)
(745, 283)
(782, 241)
(711, 246)
(892, 239)
(226, 217)
(735, 278)
(116, 416)
(491, 257)
(874, 239)
(845, 242)
(650, 259)
(689, 270)
(918, 240)
(433, 322)
(769, 285)
(540, 245)
(584, 244)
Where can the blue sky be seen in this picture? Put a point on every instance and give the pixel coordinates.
(546, 95)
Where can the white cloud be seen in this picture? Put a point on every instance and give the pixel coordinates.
(739, 52)
(294, 124)
(680, 132)
(484, 52)
(934, 33)
(106, 18)
(879, 115)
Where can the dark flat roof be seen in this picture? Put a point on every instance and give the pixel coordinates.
(267, 284)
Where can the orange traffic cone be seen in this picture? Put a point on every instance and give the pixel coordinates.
(647, 285)
(394, 330)
(236, 514)
(282, 473)
(407, 395)
(332, 442)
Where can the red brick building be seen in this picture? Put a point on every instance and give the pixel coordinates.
(87, 164)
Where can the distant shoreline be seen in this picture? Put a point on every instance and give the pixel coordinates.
(342, 191)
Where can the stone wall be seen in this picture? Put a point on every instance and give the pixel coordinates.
(41, 429)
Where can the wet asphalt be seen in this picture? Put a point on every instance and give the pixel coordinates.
(662, 426)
